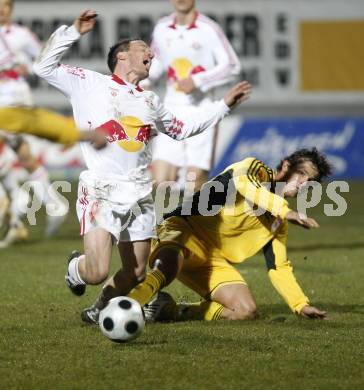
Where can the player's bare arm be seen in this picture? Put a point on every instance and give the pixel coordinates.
(85, 22)
(301, 220)
(239, 93)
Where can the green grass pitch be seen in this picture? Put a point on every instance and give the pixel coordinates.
(43, 343)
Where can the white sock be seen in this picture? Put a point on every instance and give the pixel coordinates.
(73, 273)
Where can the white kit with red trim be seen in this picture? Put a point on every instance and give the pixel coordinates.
(129, 115)
(199, 50)
(18, 46)
(115, 191)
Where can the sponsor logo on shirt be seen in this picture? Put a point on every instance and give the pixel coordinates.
(130, 133)
(182, 68)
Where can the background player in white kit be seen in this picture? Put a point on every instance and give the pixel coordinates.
(18, 48)
(114, 199)
(193, 53)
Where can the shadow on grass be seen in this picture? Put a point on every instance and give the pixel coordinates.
(315, 247)
(140, 343)
(266, 311)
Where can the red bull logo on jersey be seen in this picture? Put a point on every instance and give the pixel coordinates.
(182, 68)
(130, 133)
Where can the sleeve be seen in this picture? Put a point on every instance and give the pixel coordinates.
(30, 49)
(33, 46)
(6, 56)
(281, 275)
(157, 69)
(227, 64)
(191, 123)
(248, 183)
(66, 78)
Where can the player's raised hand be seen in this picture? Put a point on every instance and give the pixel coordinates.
(301, 220)
(85, 22)
(239, 93)
(312, 312)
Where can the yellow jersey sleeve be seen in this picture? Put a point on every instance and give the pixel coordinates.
(248, 178)
(281, 275)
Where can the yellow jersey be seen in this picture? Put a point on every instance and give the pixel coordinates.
(238, 214)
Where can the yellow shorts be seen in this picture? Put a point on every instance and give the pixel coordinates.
(204, 268)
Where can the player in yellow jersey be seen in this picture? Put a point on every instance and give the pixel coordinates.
(200, 250)
(200, 242)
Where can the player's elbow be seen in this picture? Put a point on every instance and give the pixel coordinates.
(39, 69)
(235, 68)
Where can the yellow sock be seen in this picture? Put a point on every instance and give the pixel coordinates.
(144, 291)
(206, 311)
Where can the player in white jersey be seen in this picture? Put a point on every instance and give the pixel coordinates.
(193, 53)
(114, 199)
(10, 193)
(18, 48)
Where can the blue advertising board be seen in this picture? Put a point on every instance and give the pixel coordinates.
(271, 139)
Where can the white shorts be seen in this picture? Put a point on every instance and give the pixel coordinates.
(123, 208)
(195, 151)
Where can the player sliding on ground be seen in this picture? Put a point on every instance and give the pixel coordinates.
(115, 203)
(201, 251)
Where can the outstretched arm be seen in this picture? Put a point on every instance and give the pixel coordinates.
(65, 78)
(281, 275)
(208, 116)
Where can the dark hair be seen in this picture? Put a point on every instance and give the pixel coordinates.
(123, 45)
(318, 159)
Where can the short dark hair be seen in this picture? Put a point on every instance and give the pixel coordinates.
(318, 159)
(121, 46)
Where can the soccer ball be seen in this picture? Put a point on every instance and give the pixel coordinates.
(122, 319)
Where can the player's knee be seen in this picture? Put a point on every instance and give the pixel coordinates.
(97, 275)
(244, 311)
(247, 311)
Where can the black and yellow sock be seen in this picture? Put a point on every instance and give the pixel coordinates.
(144, 291)
(207, 311)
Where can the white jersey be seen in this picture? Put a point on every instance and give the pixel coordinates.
(129, 115)
(7, 159)
(18, 46)
(199, 50)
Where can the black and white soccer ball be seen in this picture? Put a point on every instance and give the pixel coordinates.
(122, 319)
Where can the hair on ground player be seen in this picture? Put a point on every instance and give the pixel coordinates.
(318, 159)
